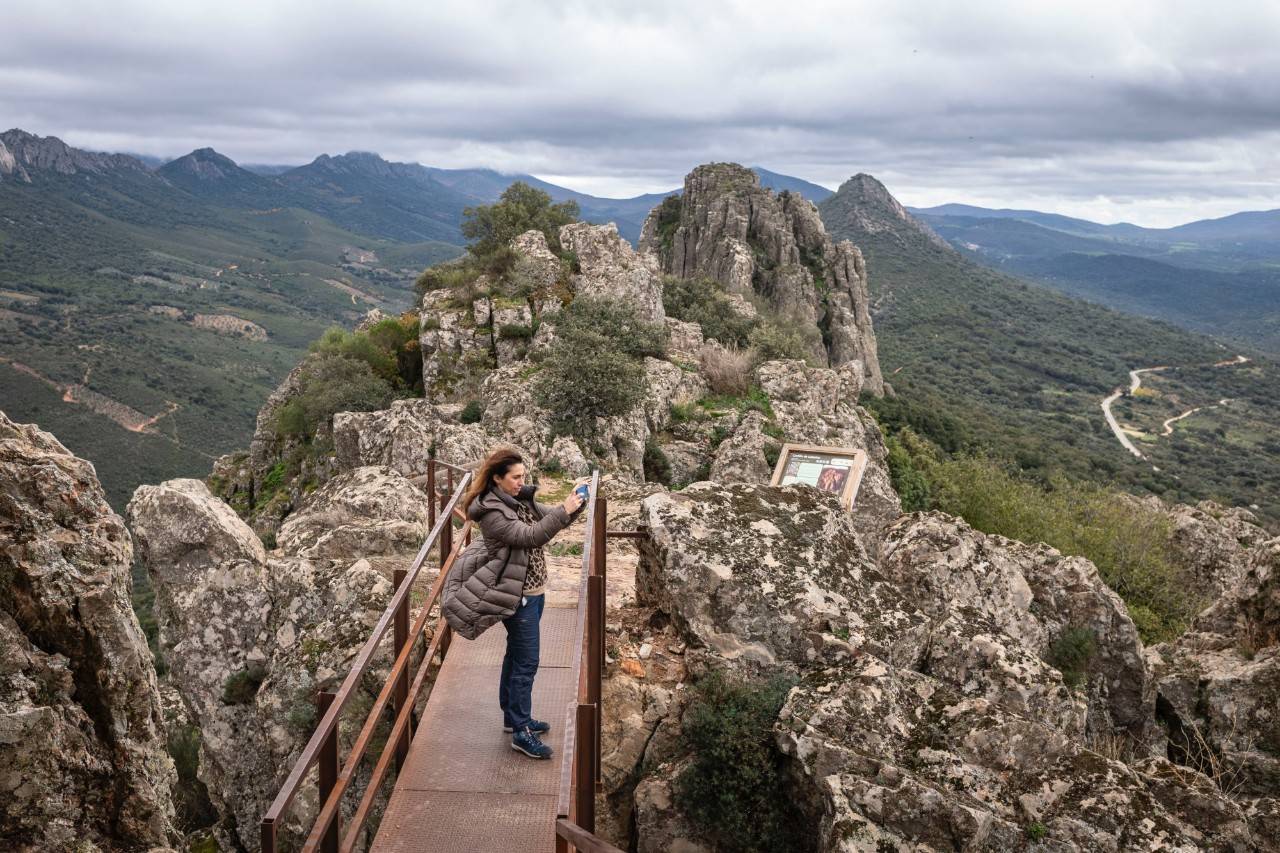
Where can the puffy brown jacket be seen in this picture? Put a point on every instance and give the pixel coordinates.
(485, 584)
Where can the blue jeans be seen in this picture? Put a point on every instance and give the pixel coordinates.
(520, 665)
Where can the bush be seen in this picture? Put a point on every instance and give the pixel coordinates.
(734, 791)
(773, 341)
(1130, 544)
(727, 370)
(704, 302)
(657, 468)
(471, 413)
(515, 332)
(240, 687)
(1070, 654)
(330, 383)
(521, 208)
(594, 367)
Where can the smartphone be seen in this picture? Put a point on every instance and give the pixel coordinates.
(583, 491)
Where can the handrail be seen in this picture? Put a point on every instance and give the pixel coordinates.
(564, 802)
(330, 807)
(326, 728)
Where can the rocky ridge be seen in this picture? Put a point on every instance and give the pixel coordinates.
(774, 248)
(82, 742)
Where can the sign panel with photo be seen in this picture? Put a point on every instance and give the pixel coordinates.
(831, 469)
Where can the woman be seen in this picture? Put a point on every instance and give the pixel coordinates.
(502, 578)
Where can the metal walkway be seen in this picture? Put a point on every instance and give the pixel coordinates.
(463, 787)
(460, 786)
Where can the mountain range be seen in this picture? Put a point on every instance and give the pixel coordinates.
(1218, 276)
(146, 311)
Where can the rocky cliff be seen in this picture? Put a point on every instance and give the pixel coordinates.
(935, 702)
(775, 248)
(82, 746)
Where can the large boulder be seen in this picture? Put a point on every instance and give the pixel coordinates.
(891, 759)
(611, 270)
(755, 575)
(82, 746)
(249, 641)
(404, 436)
(933, 708)
(368, 511)
(999, 608)
(754, 242)
(1219, 684)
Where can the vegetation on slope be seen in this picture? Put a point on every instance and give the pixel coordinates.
(1025, 369)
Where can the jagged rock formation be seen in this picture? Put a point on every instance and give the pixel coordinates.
(611, 270)
(1219, 685)
(23, 155)
(368, 511)
(82, 748)
(930, 711)
(249, 639)
(849, 210)
(772, 247)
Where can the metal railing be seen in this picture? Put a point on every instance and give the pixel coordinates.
(580, 774)
(396, 693)
(580, 777)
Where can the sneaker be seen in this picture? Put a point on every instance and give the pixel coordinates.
(527, 742)
(538, 727)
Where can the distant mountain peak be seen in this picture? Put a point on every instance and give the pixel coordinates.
(25, 155)
(864, 204)
(205, 165)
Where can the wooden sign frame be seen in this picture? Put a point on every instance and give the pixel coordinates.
(855, 469)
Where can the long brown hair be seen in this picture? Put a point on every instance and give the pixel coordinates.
(496, 464)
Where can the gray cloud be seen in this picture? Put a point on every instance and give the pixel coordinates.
(1150, 111)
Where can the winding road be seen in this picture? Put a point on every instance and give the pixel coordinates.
(1135, 382)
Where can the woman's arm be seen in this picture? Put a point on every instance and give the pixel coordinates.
(518, 534)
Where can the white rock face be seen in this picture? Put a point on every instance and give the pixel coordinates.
(249, 641)
(370, 511)
(82, 744)
(612, 270)
(928, 713)
(403, 436)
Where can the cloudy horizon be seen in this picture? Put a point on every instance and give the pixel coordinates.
(1148, 112)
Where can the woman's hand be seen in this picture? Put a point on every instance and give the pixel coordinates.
(573, 501)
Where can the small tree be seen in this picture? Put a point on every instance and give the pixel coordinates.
(521, 208)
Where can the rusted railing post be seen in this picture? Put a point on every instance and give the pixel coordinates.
(328, 770)
(446, 531)
(585, 771)
(401, 694)
(268, 840)
(596, 614)
(431, 493)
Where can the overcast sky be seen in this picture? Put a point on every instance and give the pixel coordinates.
(1152, 112)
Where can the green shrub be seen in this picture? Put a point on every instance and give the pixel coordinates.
(1037, 831)
(1070, 654)
(241, 687)
(472, 412)
(521, 208)
(331, 383)
(778, 340)
(703, 301)
(668, 222)
(594, 367)
(515, 332)
(685, 412)
(657, 468)
(1129, 543)
(734, 791)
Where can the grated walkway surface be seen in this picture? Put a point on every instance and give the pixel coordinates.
(463, 787)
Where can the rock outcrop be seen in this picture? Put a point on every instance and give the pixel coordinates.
(1219, 684)
(249, 641)
(611, 270)
(773, 247)
(368, 511)
(82, 748)
(933, 707)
